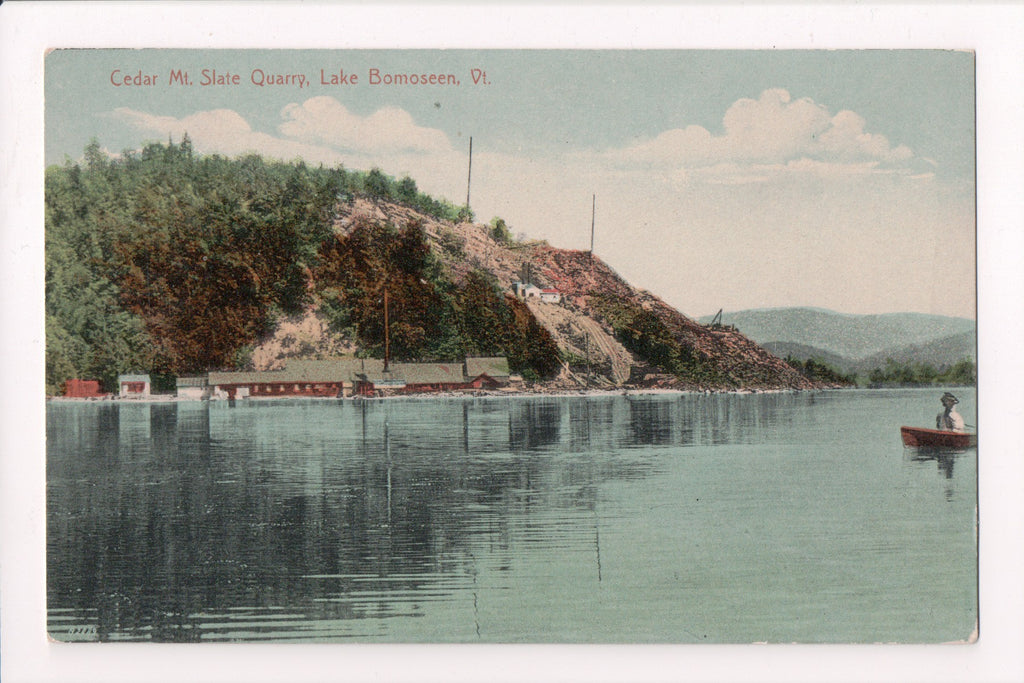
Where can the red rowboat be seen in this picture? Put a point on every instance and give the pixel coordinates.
(916, 437)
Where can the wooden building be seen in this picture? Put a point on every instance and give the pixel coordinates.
(193, 387)
(421, 377)
(133, 385)
(488, 372)
(325, 378)
(83, 388)
(341, 377)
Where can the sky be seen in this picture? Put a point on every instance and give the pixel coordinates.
(723, 179)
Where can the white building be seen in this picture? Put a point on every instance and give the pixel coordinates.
(551, 296)
(524, 290)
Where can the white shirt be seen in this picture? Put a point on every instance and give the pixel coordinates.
(950, 421)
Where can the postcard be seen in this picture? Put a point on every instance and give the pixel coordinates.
(449, 345)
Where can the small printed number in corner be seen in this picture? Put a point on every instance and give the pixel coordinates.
(76, 634)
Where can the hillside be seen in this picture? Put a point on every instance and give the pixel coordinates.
(939, 353)
(172, 264)
(805, 352)
(581, 331)
(713, 357)
(856, 341)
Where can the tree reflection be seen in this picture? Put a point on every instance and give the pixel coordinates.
(194, 521)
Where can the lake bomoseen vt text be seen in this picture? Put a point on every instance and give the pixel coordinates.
(127, 78)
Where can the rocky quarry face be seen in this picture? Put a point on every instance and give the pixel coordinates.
(598, 358)
(745, 365)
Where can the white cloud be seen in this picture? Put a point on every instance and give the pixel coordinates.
(772, 128)
(773, 134)
(224, 131)
(845, 139)
(324, 120)
(771, 138)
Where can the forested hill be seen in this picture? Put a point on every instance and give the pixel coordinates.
(171, 263)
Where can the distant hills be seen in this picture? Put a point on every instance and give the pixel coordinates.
(857, 343)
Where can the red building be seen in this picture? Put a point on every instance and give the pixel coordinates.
(133, 385)
(83, 388)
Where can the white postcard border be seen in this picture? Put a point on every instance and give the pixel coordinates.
(28, 29)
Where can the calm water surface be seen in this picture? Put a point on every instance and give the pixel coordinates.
(726, 519)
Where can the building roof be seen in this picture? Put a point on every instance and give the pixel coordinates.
(218, 378)
(343, 369)
(428, 373)
(496, 367)
(367, 369)
(190, 382)
(330, 370)
(132, 378)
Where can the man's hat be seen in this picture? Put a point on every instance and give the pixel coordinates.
(949, 397)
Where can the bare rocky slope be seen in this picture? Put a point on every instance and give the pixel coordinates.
(593, 355)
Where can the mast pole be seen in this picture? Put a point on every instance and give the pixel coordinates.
(387, 339)
(593, 215)
(469, 175)
(588, 359)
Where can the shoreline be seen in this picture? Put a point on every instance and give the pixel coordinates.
(476, 394)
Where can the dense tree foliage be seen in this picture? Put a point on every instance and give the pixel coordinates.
(500, 232)
(429, 317)
(531, 350)
(646, 335)
(819, 371)
(485, 320)
(163, 262)
(166, 262)
(495, 324)
(376, 260)
(376, 184)
(961, 373)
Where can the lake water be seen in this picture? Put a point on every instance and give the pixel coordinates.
(795, 517)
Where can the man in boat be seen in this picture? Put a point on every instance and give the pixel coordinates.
(949, 419)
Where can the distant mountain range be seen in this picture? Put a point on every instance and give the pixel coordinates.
(857, 343)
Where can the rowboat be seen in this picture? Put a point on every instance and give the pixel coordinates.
(917, 437)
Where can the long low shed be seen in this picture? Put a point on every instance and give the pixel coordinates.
(356, 376)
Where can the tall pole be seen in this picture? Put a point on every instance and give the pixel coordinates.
(588, 359)
(387, 339)
(593, 215)
(469, 176)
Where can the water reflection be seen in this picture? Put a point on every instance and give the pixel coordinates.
(211, 508)
(650, 422)
(534, 424)
(182, 521)
(345, 519)
(944, 459)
